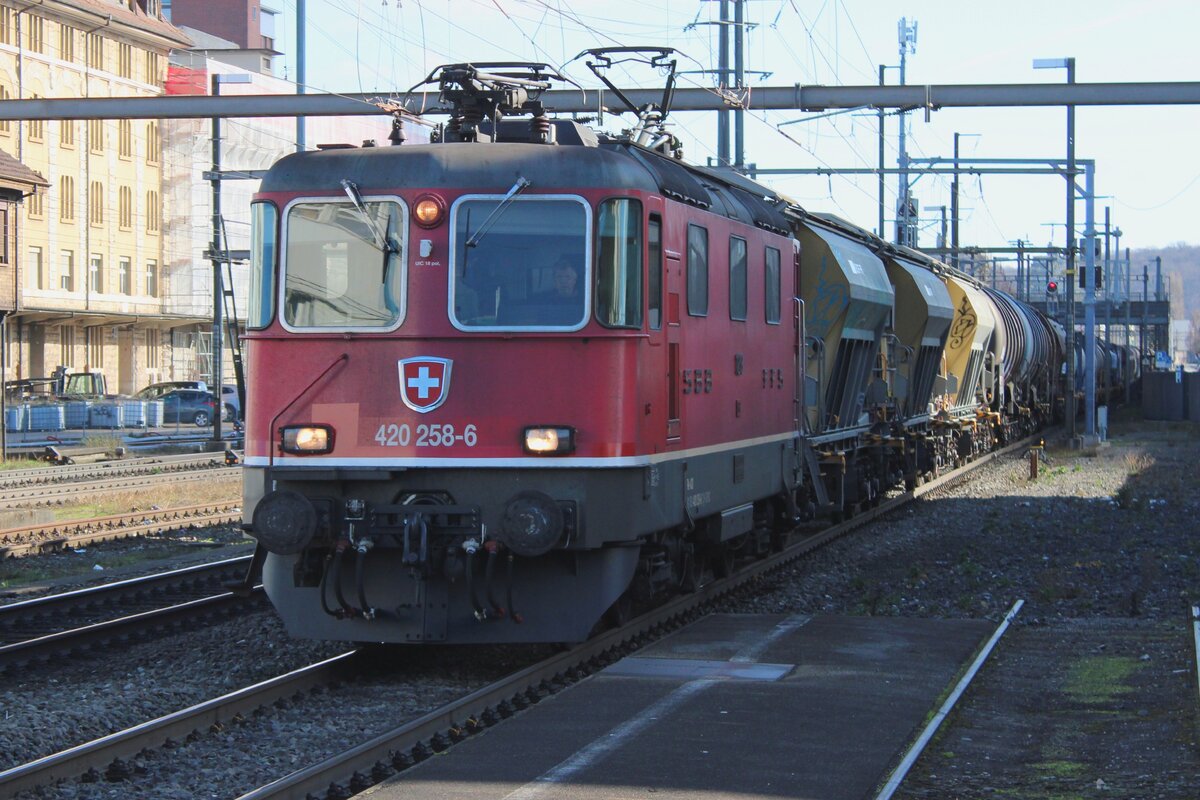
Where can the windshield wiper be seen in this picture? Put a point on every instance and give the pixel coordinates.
(521, 185)
(382, 240)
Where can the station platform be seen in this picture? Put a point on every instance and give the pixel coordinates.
(732, 706)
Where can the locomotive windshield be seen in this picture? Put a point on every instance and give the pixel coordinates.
(527, 269)
(342, 265)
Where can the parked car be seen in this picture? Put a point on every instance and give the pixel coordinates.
(188, 405)
(156, 390)
(232, 407)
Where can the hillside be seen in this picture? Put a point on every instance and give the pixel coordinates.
(1179, 260)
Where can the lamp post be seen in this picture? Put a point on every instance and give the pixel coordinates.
(1069, 65)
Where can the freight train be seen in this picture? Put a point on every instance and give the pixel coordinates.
(529, 375)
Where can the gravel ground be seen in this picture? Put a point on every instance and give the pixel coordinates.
(87, 698)
(1093, 692)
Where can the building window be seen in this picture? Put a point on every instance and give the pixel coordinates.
(95, 51)
(96, 135)
(66, 271)
(152, 278)
(153, 69)
(152, 350)
(95, 348)
(36, 28)
(66, 347)
(4, 232)
(37, 127)
(96, 273)
(6, 25)
(33, 205)
(96, 203)
(66, 133)
(66, 43)
(125, 207)
(36, 268)
(125, 138)
(153, 213)
(124, 60)
(153, 143)
(125, 274)
(66, 198)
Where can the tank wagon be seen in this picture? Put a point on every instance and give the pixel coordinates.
(528, 374)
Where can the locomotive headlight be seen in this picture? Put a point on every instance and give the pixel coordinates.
(554, 440)
(306, 439)
(429, 210)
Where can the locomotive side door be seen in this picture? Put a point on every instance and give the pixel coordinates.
(673, 281)
(659, 427)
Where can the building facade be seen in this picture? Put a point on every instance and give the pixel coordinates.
(92, 290)
(247, 146)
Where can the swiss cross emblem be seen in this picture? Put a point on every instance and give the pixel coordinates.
(424, 382)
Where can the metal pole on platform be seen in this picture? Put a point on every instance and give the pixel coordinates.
(1069, 65)
(1089, 302)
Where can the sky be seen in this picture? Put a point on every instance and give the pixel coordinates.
(1147, 161)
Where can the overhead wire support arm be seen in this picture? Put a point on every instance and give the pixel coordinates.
(767, 98)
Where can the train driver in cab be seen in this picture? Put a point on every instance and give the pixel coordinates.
(562, 303)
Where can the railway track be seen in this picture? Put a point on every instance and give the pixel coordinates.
(366, 763)
(149, 465)
(55, 537)
(53, 494)
(37, 630)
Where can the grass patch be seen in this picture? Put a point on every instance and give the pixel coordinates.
(1096, 680)
(109, 441)
(189, 493)
(1061, 769)
(20, 462)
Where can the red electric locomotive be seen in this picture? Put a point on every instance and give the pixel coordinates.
(527, 374)
(506, 381)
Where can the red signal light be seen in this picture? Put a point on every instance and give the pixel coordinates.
(1052, 287)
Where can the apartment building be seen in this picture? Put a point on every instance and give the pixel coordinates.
(92, 291)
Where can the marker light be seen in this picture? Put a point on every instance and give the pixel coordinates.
(306, 440)
(553, 440)
(429, 210)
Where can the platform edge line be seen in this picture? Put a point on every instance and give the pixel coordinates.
(914, 751)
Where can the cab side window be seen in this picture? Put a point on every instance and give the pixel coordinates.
(697, 271)
(619, 264)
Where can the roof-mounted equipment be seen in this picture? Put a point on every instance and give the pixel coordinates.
(650, 131)
(490, 91)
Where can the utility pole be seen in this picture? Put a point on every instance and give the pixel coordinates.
(908, 44)
(301, 72)
(216, 257)
(1022, 292)
(218, 288)
(954, 209)
(723, 158)
(739, 69)
(1089, 306)
(882, 183)
(1069, 65)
